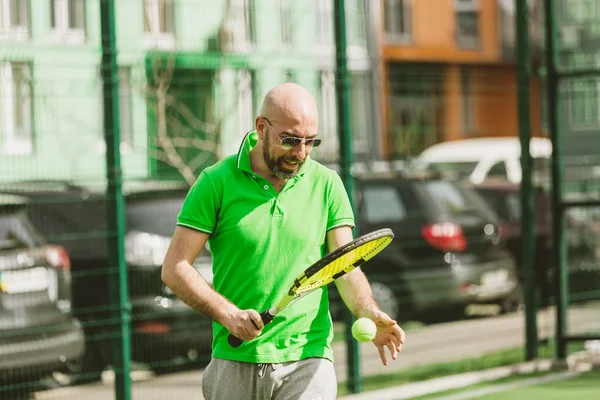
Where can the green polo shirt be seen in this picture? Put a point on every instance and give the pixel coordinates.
(261, 241)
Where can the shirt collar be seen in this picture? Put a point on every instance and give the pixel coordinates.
(248, 143)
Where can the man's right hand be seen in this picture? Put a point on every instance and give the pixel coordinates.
(245, 324)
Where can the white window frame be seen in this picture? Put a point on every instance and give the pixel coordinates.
(126, 121)
(62, 32)
(8, 31)
(14, 142)
(245, 104)
(467, 104)
(361, 109)
(470, 6)
(125, 110)
(581, 15)
(155, 38)
(285, 18)
(407, 15)
(591, 123)
(325, 40)
(466, 5)
(239, 26)
(328, 126)
(357, 50)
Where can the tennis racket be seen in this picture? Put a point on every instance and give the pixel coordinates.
(337, 263)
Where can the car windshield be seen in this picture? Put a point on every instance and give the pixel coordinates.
(450, 197)
(157, 215)
(15, 233)
(459, 169)
(383, 204)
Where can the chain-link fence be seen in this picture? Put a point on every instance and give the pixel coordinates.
(433, 99)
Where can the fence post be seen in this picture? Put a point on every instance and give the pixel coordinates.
(527, 200)
(558, 218)
(345, 141)
(115, 203)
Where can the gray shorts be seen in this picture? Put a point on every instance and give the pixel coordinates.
(309, 379)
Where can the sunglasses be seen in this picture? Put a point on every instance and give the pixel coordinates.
(290, 142)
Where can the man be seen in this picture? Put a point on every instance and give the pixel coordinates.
(269, 212)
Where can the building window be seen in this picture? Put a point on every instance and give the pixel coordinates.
(125, 109)
(415, 108)
(362, 116)
(328, 122)
(467, 105)
(14, 19)
(290, 76)
(238, 29)
(125, 117)
(159, 24)
(15, 108)
(325, 23)
(584, 96)
(467, 23)
(398, 20)
(285, 11)
(357, 24)
(67, 19)
(584, 107)
(245, 105)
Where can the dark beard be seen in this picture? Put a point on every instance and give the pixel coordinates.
(276, 165)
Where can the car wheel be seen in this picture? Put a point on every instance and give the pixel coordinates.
(386, 299)
(513, 302)
(80, 371)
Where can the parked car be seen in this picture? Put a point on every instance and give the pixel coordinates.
(164, 329)
(447, 252)
(479, 159)
(582, 242)
(39, 335)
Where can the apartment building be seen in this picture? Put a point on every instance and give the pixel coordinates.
(449, 71)
(192, 75)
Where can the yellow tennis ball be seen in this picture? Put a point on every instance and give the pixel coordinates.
(364, 330)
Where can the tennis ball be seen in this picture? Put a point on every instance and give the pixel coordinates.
(364, 330)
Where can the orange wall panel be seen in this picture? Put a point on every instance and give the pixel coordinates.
(452, 104)
(434, 35)
(495, 101)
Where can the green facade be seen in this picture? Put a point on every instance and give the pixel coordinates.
(217, 57)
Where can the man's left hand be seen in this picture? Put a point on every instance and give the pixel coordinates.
(389, 334)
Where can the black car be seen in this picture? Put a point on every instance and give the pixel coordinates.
(447, 252)
(38, 334)
(164, 329)
(582, 241)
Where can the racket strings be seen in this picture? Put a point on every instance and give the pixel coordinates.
(344, 263)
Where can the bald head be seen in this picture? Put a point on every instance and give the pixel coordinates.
(289, 103)
(288, 111)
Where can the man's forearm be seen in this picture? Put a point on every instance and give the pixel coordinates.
(356, 292)
(193, 290)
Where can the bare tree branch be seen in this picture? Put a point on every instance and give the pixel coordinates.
(190, 118)
(173, 157)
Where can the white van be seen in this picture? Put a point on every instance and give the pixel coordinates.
(481, 158)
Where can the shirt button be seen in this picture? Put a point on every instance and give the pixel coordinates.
(266, 187)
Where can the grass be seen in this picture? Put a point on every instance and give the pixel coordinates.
(421, 373)
(508, 379)
(583, 387)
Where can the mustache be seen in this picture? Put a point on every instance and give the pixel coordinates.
(293, 159)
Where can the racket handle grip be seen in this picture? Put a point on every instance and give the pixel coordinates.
(266, 317)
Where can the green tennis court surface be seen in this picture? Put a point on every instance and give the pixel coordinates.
(556, 386)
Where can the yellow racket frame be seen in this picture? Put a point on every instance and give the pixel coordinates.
(334, 265)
